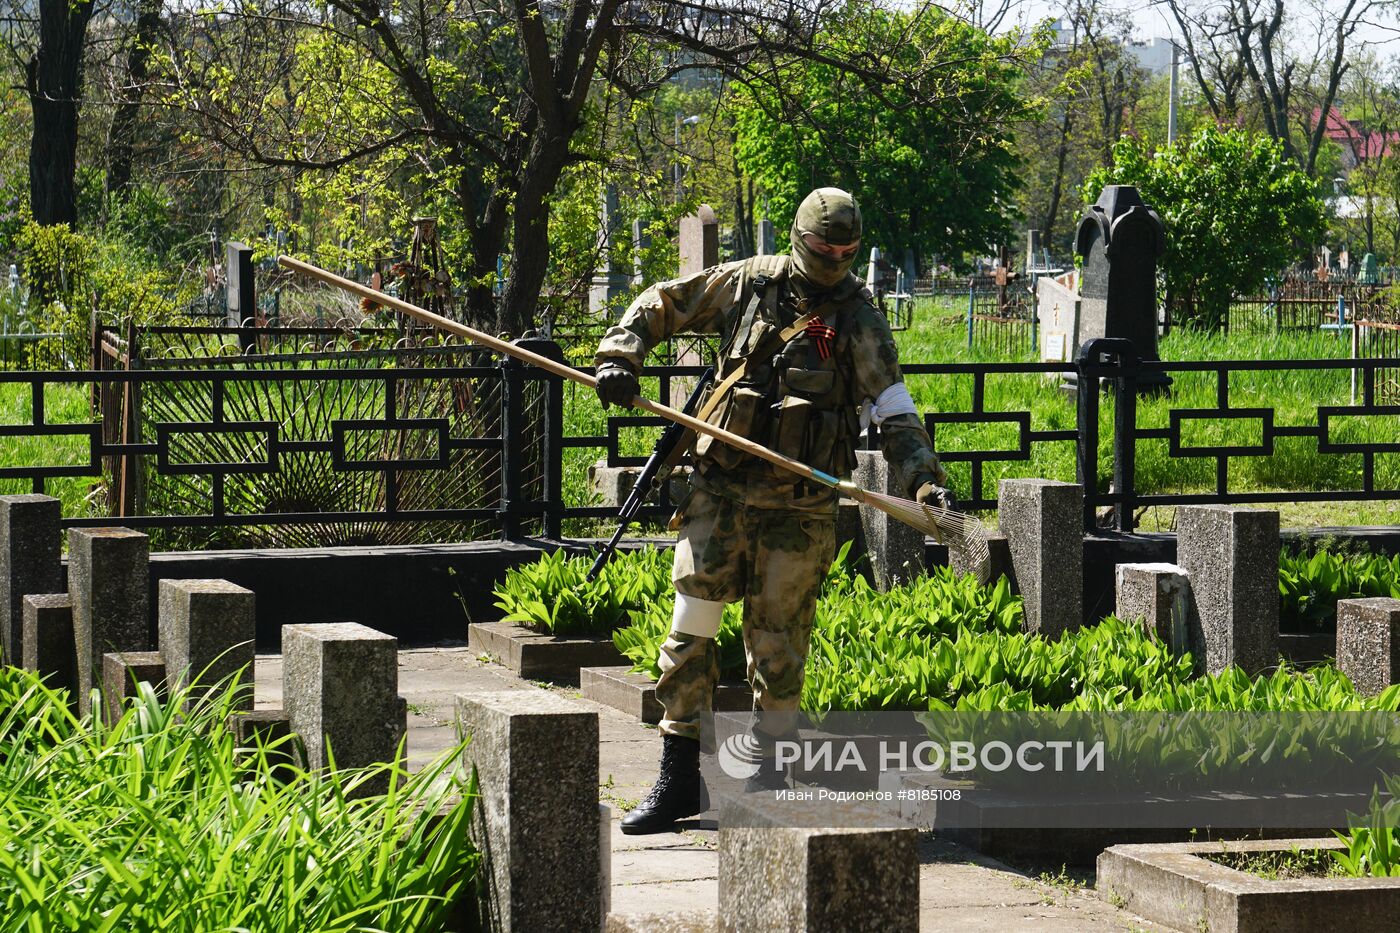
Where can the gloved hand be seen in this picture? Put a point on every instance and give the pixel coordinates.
(617, 384)
(933, 494)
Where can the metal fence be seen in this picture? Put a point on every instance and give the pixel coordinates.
(1301, 303)
(1334, 431)
(357, 448)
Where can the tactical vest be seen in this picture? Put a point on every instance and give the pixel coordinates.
(791, 400)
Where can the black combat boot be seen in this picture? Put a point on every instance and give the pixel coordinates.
(679, 790)
(770, 775)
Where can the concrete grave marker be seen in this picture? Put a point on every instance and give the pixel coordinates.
(1368, 643)
(107, 579)
(536, 756)
(340, 684)
(207, 628)
(49, 649)
(1231, 556)
(1041, 520)
(29, 562)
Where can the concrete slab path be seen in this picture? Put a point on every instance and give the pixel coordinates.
(668, 882)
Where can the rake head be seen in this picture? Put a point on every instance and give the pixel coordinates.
(964, 535)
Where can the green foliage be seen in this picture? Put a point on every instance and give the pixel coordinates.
(1284, 689)
(928, 176)
(552, 594)
(159, 823)
(71, 276)
(1235, 210)
(987, 670)
(1373, 850)
(1310, 585)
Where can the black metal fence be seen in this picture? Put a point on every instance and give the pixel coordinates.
(1353, 437)
(1302, 303)
(477, 446)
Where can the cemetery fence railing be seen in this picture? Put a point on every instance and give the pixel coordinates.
(527, 442)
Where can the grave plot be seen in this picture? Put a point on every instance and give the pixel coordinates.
(170, 766)
(1279, 886)
(555, 621)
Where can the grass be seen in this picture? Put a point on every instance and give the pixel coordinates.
(1294, 396)
(1279, 865)
(159, 822)
(66, 403)
(937, 335)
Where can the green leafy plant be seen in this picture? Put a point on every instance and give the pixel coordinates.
(158, 822)
(72, 276)
(1310, 585)
(552, 594)
(1373, 849)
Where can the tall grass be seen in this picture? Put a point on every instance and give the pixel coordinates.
(159, 822)
(1294, 396)
(63, 404)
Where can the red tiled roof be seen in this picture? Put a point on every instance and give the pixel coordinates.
(1365, 144)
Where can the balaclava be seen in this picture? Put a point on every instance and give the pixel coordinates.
(834, 216)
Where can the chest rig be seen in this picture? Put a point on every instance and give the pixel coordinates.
(792, 392)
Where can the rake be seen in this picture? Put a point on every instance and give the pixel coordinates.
(963, 534)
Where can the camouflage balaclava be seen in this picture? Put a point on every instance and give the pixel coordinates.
(834, 216)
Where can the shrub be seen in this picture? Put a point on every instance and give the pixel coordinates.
(1373, 849)
(1310, 585)
(72, 276)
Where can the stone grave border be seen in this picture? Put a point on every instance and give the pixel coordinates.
(1173, 884)
(535, 655)
(635, 694)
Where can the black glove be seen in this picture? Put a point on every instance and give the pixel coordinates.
(617, 384)
(932, 494)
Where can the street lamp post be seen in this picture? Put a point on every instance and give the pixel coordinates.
(681, 120)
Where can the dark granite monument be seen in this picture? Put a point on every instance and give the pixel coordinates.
(1120, 239)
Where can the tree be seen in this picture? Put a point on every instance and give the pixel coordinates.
(1242, 51)
(482, 107)
(1234, 207)
(932, 163)
(53, 81)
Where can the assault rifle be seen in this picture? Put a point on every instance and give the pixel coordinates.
(659, 465)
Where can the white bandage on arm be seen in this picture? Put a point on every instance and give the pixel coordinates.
(696, 616)
(895, 400)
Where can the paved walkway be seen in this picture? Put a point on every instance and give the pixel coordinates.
(958, 888)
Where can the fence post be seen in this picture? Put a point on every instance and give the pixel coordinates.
(549, 435)
(970, 302)
(1125, 440)
(512, 445)
(1086, 455)
(1123, 370)
(553, 453)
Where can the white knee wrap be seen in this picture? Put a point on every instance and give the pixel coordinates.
(696, 616)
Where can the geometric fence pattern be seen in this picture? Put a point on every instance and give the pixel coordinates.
(350, 453)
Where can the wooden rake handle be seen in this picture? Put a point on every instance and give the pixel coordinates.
(568, 372)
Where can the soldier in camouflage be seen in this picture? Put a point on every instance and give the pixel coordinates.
(816, 362)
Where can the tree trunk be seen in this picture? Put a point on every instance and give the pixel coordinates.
(485, 213)
(53, 80)
(743, 211)
(1057, 188)
(530, 233)
(121, 139)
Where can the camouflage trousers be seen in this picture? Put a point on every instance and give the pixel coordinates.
(772, 559)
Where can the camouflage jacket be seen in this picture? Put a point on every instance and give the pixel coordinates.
(708, 303)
